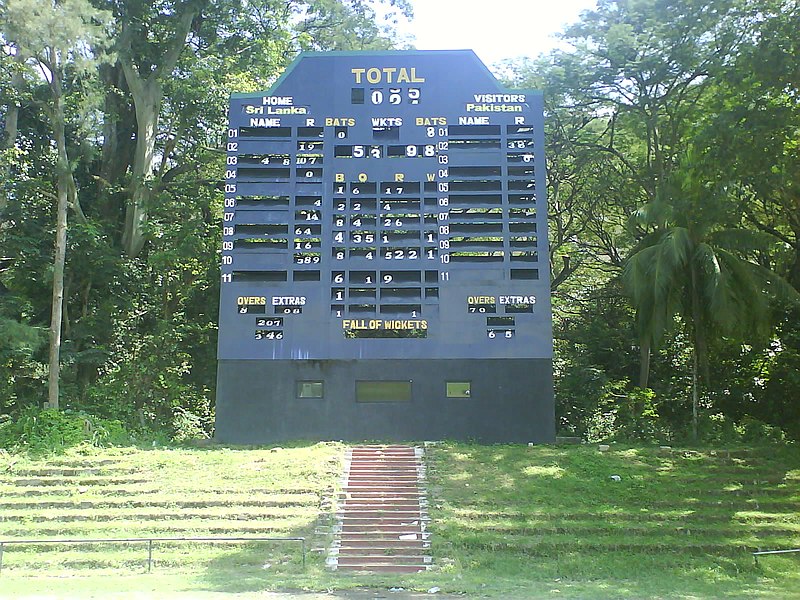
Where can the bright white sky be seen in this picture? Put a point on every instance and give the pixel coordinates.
(494, 29)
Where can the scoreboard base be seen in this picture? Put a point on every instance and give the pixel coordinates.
(484, 400)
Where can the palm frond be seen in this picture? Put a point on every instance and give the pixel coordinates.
(741, 240)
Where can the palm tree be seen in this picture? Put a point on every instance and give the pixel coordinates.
(693, 268)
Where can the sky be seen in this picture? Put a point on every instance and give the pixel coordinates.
(494, 29)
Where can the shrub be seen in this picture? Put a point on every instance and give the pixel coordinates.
(52, 431)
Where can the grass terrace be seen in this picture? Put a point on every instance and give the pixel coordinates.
(507, 521)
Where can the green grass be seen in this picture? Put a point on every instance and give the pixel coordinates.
(507, 521)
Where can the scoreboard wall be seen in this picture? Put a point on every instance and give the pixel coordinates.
(384, 255)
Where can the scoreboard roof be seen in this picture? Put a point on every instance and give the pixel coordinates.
(315, 67)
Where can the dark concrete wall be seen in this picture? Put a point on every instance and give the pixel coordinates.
(511, 401)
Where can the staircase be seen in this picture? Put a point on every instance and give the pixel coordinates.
(382, 517)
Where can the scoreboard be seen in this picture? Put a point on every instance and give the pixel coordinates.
(384, 255)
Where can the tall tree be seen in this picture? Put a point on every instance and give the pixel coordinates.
(694, 265)
(57, 40)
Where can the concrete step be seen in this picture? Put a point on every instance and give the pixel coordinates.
(367, 559)
(384, 568)
(356, 546)
(382, 517)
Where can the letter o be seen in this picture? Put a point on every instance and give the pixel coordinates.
(374, 75)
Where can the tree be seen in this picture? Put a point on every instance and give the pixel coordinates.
(56, 40)
(694, 265)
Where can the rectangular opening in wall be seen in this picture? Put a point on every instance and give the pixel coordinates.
(309, 389)
(383, 391)
(458, 389)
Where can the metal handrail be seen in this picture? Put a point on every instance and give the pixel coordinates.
(150, 540)
(767, 552)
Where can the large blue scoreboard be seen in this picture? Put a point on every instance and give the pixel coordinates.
(384, 255)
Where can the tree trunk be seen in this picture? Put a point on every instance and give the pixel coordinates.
(147, 99)
(644, 363)
(695, 395)
(9, 136)
(146, 90)
(65, 189)
(698, 346)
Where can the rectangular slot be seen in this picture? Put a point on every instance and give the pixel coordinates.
(263, 201)
(458, 389)
(367, 187)
(521, 184)
(268, 334)
(309, 160)
(308, 173)
(473, 130)
(475, 172)
(308, 201)
(500, 321)
(306, 229)
(522, 213)
(526, 274)
(361, 294)
(524, 256)
(362, 205)
(251, 309)
(400, 277)
(519, 129)
(387, 334)
(522, 144)
(264, 159)
(253, 173)
(306, 276)
(269, 322)
(361, 309)
(401, 294)
(402, 310)
(259, 276)
(399, 188)
(388, 133)
(267, 132)
(521, 199)
(524, 227)
(310, 389)
(261, 244)
(476, 257)
(368, 253)
(362, 277)
(261, 229)
(465, 229)
(356, 95)
(526, 171)
(494, 334)
(473, 144)
(520, 157)
(476, 185)
(519, 308)
(310, 132)
(475, 199)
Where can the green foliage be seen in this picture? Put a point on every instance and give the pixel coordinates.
(53, 431)
(640, 85)
(628, 414)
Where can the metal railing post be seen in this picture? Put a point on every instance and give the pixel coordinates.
(150, 542)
